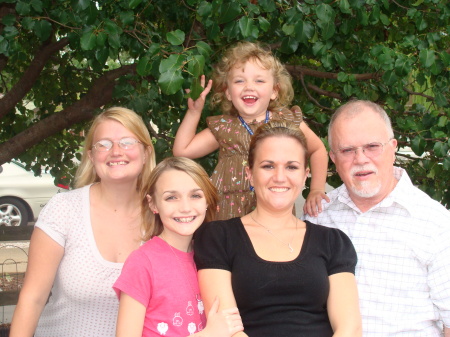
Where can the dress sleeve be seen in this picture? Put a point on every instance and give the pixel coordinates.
(342, 253)
(135, 278)
(210, 247)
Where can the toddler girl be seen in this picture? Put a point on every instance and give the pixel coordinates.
(158, 287)
(251, 86)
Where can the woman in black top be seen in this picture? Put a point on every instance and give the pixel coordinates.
(286, 276)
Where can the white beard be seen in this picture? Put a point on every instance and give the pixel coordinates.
(365, 189)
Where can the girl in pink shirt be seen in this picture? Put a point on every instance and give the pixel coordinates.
(158, 288)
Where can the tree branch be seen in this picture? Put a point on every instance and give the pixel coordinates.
(98, 95)
(26, 82)
(296, 71)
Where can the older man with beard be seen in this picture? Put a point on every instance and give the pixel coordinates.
(401, 235)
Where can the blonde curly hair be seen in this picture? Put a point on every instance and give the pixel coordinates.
(237, 56)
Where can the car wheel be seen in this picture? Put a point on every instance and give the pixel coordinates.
(12, 212)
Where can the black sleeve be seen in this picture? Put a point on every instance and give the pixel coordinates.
(343, 256)
(210, 246)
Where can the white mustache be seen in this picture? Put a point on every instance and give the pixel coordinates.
(363, 168)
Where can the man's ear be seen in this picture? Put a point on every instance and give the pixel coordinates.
(332, 156)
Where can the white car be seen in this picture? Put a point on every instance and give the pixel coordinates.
(23, 195)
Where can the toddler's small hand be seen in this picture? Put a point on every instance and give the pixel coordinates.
(313, 203)
(199, 103)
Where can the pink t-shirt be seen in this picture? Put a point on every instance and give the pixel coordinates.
(164, 280)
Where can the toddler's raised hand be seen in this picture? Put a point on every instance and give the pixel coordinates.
(313, 203)
(197, 105)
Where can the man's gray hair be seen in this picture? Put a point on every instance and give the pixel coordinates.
(353, 108)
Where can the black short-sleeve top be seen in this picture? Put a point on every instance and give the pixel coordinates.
(277, 298)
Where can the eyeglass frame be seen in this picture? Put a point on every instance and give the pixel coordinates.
(354, 150)
(123, 147)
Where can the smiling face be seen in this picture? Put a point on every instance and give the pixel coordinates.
(181, 205)
(278, 176)
(368, 180)
(117, 164)
(250, 88)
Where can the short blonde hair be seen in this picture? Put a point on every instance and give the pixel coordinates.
(276, 128)
(131, 121)
(238, 55)
(152, 224)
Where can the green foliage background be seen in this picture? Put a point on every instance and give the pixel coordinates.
(396, 53)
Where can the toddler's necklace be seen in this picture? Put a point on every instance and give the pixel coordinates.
(291, 250)
(246, 126)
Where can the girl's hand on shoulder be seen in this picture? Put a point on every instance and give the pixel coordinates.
(313, 203)
(199, 103)
(222, 324)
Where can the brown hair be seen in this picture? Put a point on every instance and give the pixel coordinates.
(276, 128)
(131, 121)
(152, 224)
(237, 56)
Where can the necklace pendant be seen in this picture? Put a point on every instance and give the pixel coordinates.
(291, 250)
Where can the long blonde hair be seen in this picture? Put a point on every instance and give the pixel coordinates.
(152, 224)
(238, 55)
(133, 122)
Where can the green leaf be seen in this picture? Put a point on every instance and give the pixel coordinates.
(417, 3)
(231, 30)
(127, 17)
(101, 55)
(27, 23)
(229, 11)
(447, 163)
(80, 5)
(172, 63)
(114, 41)
(196, 64)
(263, 23)
(170, 82)
(88, 40)
(144, 66)
(440, 149)
(342, 77)
(175, 37)
(10, 32)
(348, 89)
(23, 8)
(196, 89)
(204, 9)
(440, 99)
(288, 45)
(445, 57)
(384, 19)
(402, 66)
(443, 121)
(246, 26)
(418, 145)
(101, 39)
(344, 6)
(203, 48)
(134, 3)
(327, 29)
(389, 77)
(111, 28)
(37, 5)
(421, 23)
(325, 12)
(288, 29)
(303, 31)
(42, 29)
(427, 57)
(267, 5)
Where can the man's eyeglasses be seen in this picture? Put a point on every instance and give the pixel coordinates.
(370, 150)
(105, 145)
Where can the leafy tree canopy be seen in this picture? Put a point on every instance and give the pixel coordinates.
(62, 61)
